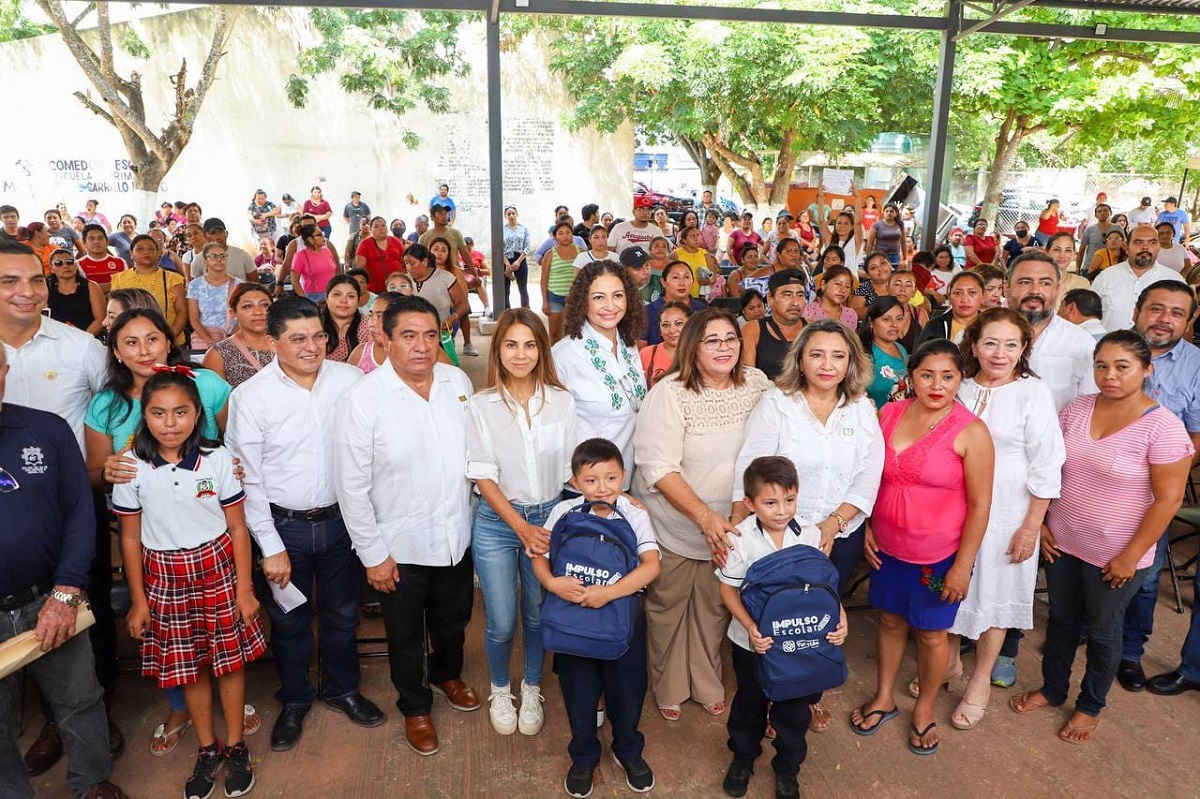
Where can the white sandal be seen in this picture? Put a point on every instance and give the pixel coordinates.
(161, 734)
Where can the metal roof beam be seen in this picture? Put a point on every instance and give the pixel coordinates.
(1099, 32)
(1000, 13)
(1116, 5)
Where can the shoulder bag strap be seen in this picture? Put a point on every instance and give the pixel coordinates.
(245, 351)
(650, 364)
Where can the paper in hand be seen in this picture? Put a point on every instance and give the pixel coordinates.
(288, 598)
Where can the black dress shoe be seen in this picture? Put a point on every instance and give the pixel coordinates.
(45, 751)
(1131, 676)
(1171, 684)
(116, 740)
(362, 711)
(288, 728)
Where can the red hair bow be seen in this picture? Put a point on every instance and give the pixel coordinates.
(179, 370)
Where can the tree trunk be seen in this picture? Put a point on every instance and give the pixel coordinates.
(1008, 142)
(142, 203)
(710, 173)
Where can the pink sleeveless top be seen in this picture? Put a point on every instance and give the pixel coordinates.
(366, 361)
(922, 502)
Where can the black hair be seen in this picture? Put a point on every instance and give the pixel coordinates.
(358, 271)
(287, 308)
(877, 309)
(943, 248)
(9, 209)
(782, 243)
(120, 379)
(307, 232)
(925, 258)
(144, 444)
(1130, 340)
(1176, 286)
(10, 247)
(407, 304)
(934, 347)
(1088, 302)
(327, 322)
(93, 228)
(593, 451)
(589, 210)
(750, 295)
(769, 470)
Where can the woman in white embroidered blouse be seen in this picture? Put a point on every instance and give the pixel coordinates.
(688, 435)
(597, 360)
(821, 418)
(519, 447)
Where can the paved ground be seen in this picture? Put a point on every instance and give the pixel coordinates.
(1146, 746)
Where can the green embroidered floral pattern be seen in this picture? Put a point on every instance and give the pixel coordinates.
(619, 392)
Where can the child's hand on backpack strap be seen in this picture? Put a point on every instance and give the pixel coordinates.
(595, 596)
(837, 636)
(567, 589)
(759, 642)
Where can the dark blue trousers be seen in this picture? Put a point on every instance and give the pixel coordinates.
(748, 719)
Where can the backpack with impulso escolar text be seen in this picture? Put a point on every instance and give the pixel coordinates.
(792, 595)
(596, 550)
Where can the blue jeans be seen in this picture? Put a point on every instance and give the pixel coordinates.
(501, 564)
(1078, 595)
(66, 678)
(847, 553)
(1190, 665)
(1139, 616)
(326, 571)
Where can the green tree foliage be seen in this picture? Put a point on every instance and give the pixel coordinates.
(15, 25)
(396, 60)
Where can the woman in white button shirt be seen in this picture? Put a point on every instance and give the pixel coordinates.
(519, 447)
(597, 360)
(821, 418)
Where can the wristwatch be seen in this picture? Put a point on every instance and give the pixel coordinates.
(70, 600)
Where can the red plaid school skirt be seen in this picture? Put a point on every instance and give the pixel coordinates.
(194, 620)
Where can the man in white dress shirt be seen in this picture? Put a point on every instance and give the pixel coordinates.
(281, 427)
(1119, 286)
(400, 457)
(1062, 352)
(57, 368)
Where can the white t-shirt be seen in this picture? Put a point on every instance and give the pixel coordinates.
(625, 235)
(1175, 257)
(182, 505)
(753, 545)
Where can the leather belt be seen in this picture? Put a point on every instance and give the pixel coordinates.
(22, 598)
(312, 515)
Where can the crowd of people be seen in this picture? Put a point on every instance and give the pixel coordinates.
(724, 393)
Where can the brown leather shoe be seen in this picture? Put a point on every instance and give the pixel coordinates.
(421, 736)
(104, 790)
(45, 751)
(458, 694)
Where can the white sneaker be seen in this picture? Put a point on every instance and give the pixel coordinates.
(469, 349)
(502, 711)
(532, 716)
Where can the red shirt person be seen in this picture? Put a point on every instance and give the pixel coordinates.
(380, 254)
(98, 263)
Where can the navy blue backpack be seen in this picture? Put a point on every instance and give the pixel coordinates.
(793, 597)
(597, 550)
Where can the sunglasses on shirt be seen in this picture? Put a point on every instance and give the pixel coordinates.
(8, 483)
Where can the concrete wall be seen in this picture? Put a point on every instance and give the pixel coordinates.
(249, 136)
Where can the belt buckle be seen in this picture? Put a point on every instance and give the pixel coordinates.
(313, 516)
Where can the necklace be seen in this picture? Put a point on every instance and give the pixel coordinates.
(632, 387)
(942, 418)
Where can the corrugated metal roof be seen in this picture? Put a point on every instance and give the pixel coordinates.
(1133, 6)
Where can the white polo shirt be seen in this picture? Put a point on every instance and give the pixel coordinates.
(182, 505)
(1062, 358)
(58, 370)
(638, 519)
(283, 435)
(400, 468)
(1119, 289)
(753, 545)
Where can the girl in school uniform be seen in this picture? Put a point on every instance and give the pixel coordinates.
(193, 605)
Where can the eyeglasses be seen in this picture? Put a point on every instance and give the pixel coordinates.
(8, 483)
(714, 344)
(63, 262)
(300, 341)
(217, 256)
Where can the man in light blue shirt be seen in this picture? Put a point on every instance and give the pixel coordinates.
(443, 198)
(1163, 315)
(1178, 217)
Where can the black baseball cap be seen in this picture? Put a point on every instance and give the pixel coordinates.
(1172, 200)
(786, 277)
(1147, 202)
(213, 224)
(634, 257)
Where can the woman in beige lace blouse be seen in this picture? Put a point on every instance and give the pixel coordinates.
(689, 431)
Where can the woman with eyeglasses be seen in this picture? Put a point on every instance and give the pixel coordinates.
(821, 418)
(314, 264)
(208, 298)
(689, 432)
(73, 300)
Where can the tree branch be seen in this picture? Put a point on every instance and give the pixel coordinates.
(104, 33)
(222, 28)
(95, 109)
(83, 15)
(715, 147)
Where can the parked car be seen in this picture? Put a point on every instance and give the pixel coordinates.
(675, 205)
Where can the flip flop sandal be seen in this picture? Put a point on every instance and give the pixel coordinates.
(1069, 728)
(671, 712)
(971, 712)
(1014, 704)
(161, 734)
(917, 749)
(821, 718)
(884, 717)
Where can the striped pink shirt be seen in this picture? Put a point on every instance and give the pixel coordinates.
(1106, 482)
